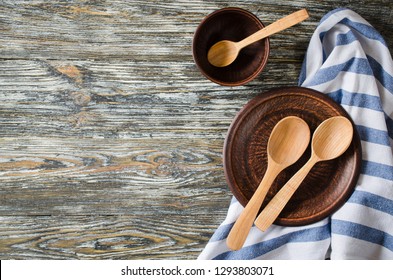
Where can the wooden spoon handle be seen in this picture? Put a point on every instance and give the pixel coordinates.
(241, 228)
(275, 27)
(270, 213)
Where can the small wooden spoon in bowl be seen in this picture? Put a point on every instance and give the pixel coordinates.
(330, 140)
(287, 142)
(225, 52)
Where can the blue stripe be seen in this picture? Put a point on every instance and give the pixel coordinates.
(366, 30)
(351, 36)
(380, 74)
(377, 170)
(372, 201)
(373, 135)
(222, 232)
(355, 65)
(363, 100)
(321, 36)
(346, 38)
(356, 99)
(362, 232)
(258, 249)
(364, 66)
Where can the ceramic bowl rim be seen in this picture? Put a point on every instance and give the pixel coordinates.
(261, 65)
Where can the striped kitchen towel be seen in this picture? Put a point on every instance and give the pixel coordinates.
(349, 61)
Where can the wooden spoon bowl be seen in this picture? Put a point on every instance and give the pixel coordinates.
(330, 140)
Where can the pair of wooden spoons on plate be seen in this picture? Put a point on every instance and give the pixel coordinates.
(287, 142)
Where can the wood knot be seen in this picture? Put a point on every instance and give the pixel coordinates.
(80, 98)
(72, 72)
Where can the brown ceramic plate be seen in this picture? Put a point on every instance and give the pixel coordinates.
(329, 183)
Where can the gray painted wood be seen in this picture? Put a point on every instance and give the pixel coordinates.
(110, 138)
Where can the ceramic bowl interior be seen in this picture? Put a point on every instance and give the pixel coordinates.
(230, 24)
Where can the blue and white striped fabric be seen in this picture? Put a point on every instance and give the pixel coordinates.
(348, 60)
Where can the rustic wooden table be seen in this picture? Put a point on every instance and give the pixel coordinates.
(110, 138)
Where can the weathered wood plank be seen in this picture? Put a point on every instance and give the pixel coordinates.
(115, 100)
(141, 30)
(103, 237)
(74, 176)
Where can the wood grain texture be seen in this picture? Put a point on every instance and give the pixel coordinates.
(107, 129)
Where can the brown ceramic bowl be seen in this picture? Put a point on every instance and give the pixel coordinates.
(230, 24)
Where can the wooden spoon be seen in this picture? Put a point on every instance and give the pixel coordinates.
(225, 52)
(330, 140)
(287, 142)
